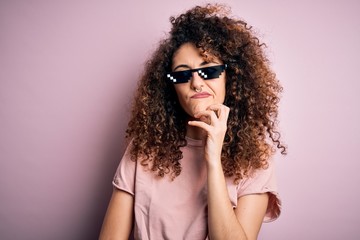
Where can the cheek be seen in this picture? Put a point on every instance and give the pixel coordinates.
(220, 94)
(181, 94)
(180, 90)
(220, 91)
(223, 89)
(182, 102)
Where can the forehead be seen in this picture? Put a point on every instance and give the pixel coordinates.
(188, 52)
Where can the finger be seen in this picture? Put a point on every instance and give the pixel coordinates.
(200, 124)
(221, 110)
(205, 119)
(225, 114)
(210, 115)
(205, 113)
(215, 107)
(217, 112)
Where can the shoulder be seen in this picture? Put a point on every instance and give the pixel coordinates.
(124, 178)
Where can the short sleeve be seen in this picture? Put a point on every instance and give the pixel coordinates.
(124, 178)
(263, 181)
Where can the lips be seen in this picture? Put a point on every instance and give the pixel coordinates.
(201, 95)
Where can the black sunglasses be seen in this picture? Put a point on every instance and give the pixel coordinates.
(205, 73)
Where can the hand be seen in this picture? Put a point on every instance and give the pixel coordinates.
(214, 122)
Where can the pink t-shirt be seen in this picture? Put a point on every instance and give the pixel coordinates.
(177, 209)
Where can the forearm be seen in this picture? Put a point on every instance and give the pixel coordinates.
(222, 220)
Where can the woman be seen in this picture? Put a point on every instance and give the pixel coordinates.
(202, 133)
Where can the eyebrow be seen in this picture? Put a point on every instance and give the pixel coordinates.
(186, 66)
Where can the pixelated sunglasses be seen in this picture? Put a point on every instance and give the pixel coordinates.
(205, 73)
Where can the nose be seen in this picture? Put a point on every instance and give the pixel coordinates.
(196, 81)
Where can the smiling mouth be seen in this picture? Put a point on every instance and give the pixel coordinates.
(201, 95)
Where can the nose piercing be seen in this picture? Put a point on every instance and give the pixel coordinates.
(198, 90)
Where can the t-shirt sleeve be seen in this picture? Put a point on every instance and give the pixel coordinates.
(124, 178)
(263, 181)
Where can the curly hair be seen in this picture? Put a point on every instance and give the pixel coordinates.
(157, 127)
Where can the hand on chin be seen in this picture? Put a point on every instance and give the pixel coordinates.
(198, 108)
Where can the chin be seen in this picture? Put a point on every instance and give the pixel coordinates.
(198, 108)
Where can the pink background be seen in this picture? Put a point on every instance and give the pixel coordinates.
(68, 70)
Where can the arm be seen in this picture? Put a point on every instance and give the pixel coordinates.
(224, 222)
(244, 222)
(250, 212)
(119, 216)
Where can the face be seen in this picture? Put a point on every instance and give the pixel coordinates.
(197, 94)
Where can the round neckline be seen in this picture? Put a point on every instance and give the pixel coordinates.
(194, 142)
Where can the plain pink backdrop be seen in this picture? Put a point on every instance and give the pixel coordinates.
(68, 70)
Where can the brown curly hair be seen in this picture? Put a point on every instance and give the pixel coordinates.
(157, 127)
